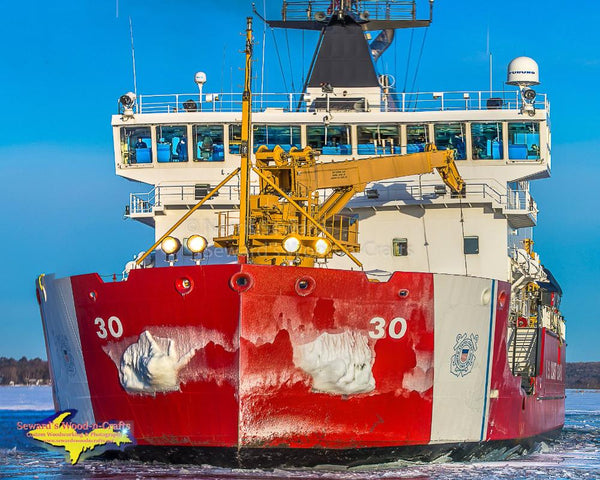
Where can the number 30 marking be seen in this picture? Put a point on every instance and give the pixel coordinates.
(394, 331)
(115, 327)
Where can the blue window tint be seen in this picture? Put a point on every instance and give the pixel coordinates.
(136, 145)
(378, 139)
(451, 136)
(524, 141)
(486, 141)
(208, 143)
(330, 139)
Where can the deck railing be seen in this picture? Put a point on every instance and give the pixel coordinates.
(298, 102)
(378, 193)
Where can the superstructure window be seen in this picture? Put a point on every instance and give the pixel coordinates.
(136, 145)
(486, 141)
(286, 136)
(400, 247)
(235, 138)
(451, 136)
(171, 143)
(208, 143)
(471, 245)
(416, 138)
(378, 139)
(524, 141)
(330, 139)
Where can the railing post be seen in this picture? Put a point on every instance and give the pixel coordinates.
(403, 101)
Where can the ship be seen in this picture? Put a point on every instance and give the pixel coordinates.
(259, 331)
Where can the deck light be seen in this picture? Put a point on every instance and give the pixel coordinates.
(322, 247)
(291, 244)
(128, 99)
(170, 245)
(196, 243)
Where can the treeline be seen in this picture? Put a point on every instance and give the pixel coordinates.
(583, 375)
(35, 372)
(23, 371)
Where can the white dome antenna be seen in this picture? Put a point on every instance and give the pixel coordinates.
(200, 79)
(523, 72)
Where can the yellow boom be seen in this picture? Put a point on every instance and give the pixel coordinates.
(352, 176)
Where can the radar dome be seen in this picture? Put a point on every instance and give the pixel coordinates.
(523, 71)
(200, 78)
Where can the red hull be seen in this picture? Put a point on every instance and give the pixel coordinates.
(276, 359)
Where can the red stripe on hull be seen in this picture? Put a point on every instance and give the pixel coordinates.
(514, 414)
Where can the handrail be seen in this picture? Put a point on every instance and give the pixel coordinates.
(297, 102)
(517, 200)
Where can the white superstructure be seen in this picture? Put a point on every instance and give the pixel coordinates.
(413, 224)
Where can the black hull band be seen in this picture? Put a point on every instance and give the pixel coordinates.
(310, 457)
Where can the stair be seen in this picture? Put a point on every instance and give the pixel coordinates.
(522, 351)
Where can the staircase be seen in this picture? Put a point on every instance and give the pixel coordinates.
(522, 351)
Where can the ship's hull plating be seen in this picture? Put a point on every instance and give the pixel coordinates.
(244, 363)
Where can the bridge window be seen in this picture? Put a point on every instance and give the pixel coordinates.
(208, 143)
(330, 139)
(400, 247)
(378, 139)
(416, 138)
(451, 136)
(524, 141)
(171, 143)
(136, 145)
(271, 135)
(235, 138)
(486, 141)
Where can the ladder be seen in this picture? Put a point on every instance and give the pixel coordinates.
(523, 351)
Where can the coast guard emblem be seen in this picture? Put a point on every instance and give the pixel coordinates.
(463, 359)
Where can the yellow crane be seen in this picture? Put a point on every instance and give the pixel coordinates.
(288, 223)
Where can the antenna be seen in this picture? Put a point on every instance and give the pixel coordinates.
(489, 52)
(133, 57)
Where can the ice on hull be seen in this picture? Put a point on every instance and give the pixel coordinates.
(352, 371)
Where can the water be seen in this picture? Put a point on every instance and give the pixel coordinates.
(576, 455)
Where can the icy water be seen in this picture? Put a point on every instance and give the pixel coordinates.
(576, 455)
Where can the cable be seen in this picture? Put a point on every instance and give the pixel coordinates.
(419, 63)
(462, 226)
(412, 34)
(287, 41)
(279, 59)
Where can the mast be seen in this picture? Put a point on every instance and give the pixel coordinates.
(245, 144)
(344, 58)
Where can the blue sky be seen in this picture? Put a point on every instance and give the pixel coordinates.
(65, 63)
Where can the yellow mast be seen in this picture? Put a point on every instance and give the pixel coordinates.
(245, 145)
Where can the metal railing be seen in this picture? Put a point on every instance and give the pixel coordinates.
(394, 191)
(297, 102)
(471, 100)
(519, 201)
(377, 9)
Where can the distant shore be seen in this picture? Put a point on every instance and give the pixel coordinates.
(580, 375)
(24, 371)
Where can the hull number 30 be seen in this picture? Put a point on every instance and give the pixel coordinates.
(395, 329)
(112, 326)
